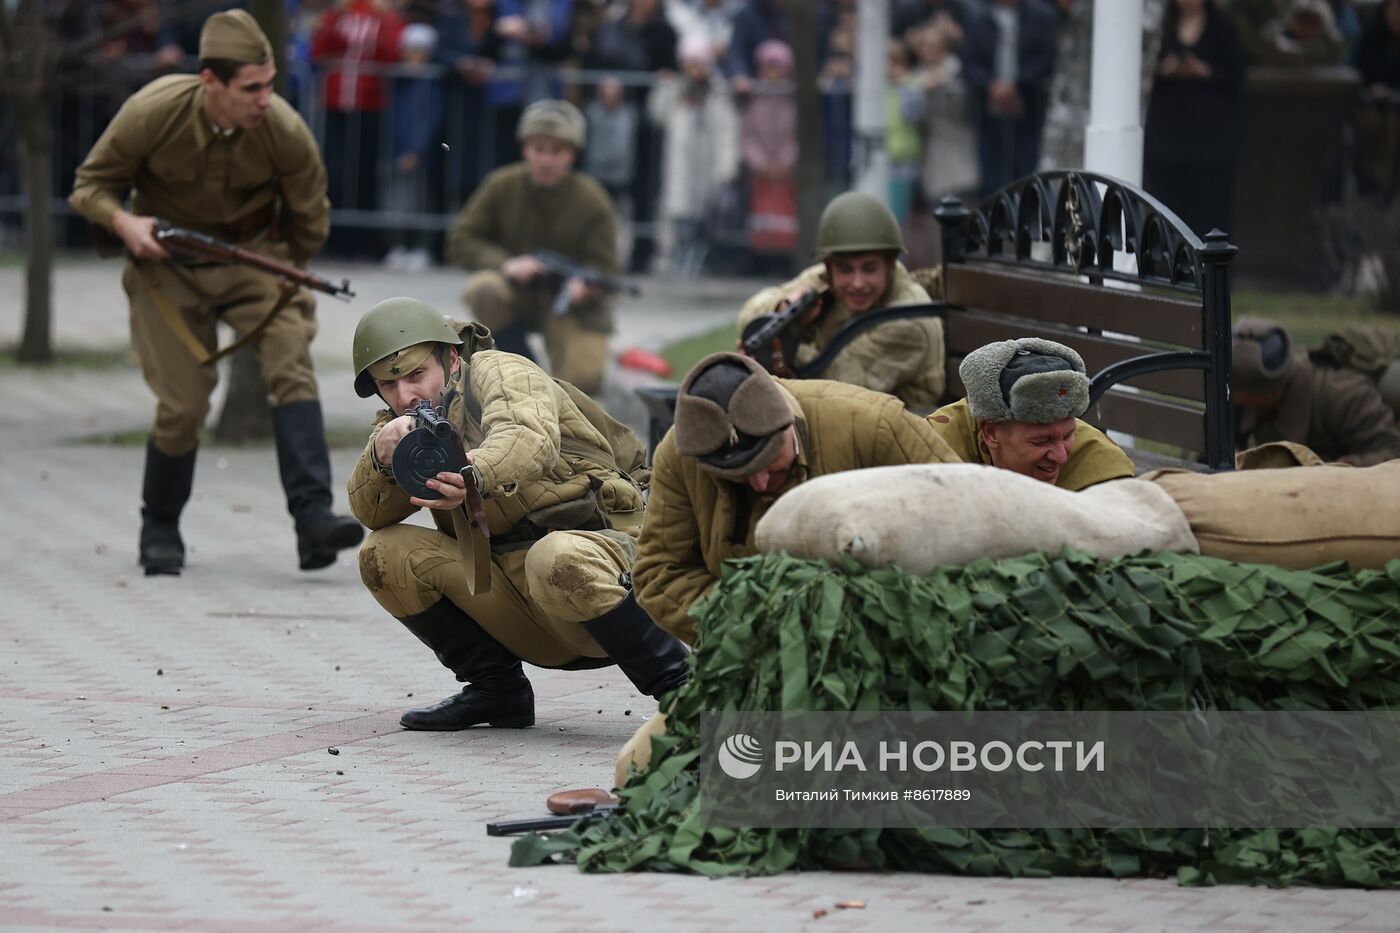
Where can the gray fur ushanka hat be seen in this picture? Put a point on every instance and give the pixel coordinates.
(1028, 379)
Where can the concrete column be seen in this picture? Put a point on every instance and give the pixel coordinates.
(872, 168)
(1113, 139)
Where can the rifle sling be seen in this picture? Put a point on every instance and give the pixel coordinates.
(181, 330)
(472, 533)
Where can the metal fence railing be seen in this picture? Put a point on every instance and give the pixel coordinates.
(462, 131)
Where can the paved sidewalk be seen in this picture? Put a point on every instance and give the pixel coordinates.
(165, 743)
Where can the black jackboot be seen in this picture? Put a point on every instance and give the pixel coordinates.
(512, 339)
(164, 492)
(497, 693)
(305, 466)
(652, 658)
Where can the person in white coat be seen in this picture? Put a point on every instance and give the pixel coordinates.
(696, 112)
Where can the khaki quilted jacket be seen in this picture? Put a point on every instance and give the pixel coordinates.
(695, 521)
(903, 358)
(518, 421)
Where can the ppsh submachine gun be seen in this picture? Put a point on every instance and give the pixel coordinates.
(772, 339)
(435, 446)
(561, 267)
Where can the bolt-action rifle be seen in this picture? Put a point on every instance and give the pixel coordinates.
(194, 245)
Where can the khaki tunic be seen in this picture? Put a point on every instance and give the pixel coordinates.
(1336, 412)
(902, 358)
(695, 521)
(1094, 458)
(162, 147)
(530, 443)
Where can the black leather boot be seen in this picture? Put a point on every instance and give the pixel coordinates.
(305, 467)
(497, 692)
(652, 658)
(512, 339)
(164, 492)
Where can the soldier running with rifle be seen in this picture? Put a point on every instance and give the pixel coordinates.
(222, 155)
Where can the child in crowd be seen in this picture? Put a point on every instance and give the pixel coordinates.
(768, 137)
(415, 120)
(610, 151)
(904, 106)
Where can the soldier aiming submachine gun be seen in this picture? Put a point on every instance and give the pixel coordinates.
(435, 446)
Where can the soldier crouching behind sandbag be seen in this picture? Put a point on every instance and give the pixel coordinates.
(1021, 413)
(1336, 411)
(563, 517)
(741, 439)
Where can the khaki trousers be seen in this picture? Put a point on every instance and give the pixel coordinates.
(202, 297)
(538, 595)
(578, 353)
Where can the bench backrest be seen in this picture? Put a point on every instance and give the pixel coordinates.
(1044, 257)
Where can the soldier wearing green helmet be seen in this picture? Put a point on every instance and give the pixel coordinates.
(858, 247)
(556, 476)
(541, 204)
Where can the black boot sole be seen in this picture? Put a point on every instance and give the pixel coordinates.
(324, 552)
(508, 722)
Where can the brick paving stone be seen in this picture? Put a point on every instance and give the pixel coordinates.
(203, 797)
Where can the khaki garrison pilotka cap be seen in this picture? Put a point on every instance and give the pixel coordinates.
(731, 416)
(234, 36)
(1029, 379)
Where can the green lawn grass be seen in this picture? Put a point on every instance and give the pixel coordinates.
(686, 352)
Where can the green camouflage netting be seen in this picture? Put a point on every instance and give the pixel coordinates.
(1161, 632)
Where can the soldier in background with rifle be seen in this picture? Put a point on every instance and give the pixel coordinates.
(535, 208)
(858, 245)
(220, 154)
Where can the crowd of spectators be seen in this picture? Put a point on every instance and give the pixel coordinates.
(690, 104)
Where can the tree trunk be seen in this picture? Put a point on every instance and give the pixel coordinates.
(811, 156)
(36, 344)
(247, 413)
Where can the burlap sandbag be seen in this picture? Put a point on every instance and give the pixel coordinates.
(930, 515)
(1296, 518)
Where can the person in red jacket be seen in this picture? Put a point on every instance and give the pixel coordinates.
(352, 43)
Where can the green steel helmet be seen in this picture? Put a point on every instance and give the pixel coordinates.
(855, 222)
(557, 119)
(390, 327)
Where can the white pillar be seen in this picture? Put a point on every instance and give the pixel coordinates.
(872, 167)
(1113, 138)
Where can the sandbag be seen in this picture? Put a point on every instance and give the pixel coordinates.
(1297, 518)
(924, 516)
